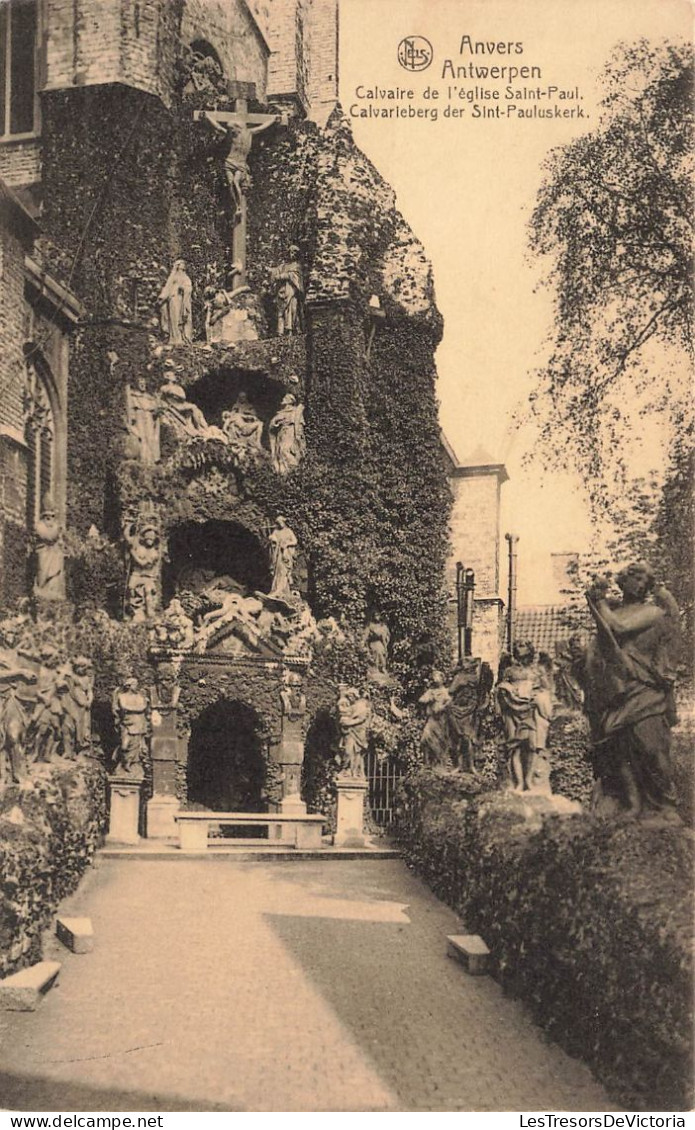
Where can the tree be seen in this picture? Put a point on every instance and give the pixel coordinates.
(614, 215)
(614, 220)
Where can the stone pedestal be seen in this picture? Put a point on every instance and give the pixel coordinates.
(349, 830)
(161, 824)
(124, 810)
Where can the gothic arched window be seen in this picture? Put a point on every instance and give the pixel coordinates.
(40, 434)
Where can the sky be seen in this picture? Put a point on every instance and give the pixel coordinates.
(467, 186)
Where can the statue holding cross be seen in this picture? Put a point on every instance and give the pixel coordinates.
(238, 128)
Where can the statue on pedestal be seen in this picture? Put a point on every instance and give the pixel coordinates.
(49, 583)
(526, 705)
(175, 306)
(354, 714)
(286, 432)
(142, 415)
(131, 712)
(143, 585)
(283, 548)
(289, 296)
(630, 694)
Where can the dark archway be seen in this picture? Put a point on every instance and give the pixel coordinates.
(319, 766)
(199, 551)
(226, 767)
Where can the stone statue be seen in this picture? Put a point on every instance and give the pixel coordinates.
(286, 432)
(185, 419)
(49, 583)
(142, 415)
(174, 628)
(78, 701)
(290, 294)
(464, 715)
(571, 673)
(293, 697)
(175, 306)
(436, 738)
(143, 585)
(131, 712)
(526, 706)
(283, 548)
(630, 694)
(166, 691)
(14, 716)
(354, 715)
(230, 608)
(238, 138)
(47, 726)
(376, 638)
(242, 425)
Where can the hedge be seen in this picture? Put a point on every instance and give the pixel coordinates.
(589, 922)
(50, 827)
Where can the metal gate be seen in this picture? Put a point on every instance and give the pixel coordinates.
(382, 778)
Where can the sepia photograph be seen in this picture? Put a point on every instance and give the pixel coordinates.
(347, 689)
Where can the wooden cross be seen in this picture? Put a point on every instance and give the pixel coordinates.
(239, 128)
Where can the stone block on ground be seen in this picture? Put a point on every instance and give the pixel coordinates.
(24, 991)
(470, 951)
(76, 934)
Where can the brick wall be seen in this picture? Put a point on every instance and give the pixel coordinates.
(89, 42)
(321, 40)
(12, 449)
(475, 530)
(230, 29)
(12, 332)
(20, 162)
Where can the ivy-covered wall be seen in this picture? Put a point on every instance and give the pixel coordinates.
(131, 185)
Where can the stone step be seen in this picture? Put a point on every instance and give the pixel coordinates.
(470, 951)
(76, 934)
(24, 991)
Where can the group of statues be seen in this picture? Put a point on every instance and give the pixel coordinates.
(623, 679)
(232, 312)
(145, 552)
(45, 703)
(242, 427)
(451, 733)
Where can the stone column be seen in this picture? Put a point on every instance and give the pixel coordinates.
(349, 830)
(124, 809)
(290, 754)
(165, 747)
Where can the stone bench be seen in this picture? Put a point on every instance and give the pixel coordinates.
(284, 831)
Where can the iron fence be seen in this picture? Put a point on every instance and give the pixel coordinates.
(382, 778)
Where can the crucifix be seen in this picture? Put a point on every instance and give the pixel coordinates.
(238, 127)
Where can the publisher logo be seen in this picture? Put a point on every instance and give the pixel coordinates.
(415, 53)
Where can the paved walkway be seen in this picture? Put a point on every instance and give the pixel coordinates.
(291, 986)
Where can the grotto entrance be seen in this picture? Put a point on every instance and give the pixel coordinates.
(226, 763)
(202, 551)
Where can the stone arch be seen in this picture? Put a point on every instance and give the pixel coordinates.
(199, 551)
(227, 758)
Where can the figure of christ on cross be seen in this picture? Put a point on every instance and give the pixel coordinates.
(238, 128)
